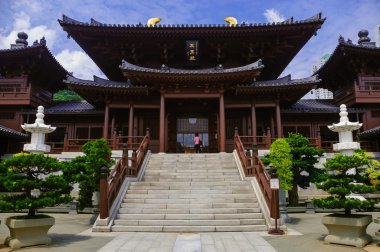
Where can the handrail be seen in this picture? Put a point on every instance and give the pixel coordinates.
(244, 156)
(254, 167)
(110, 184)
(263, 179)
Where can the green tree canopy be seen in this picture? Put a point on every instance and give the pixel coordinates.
(23, 174)
(66, 95)
(280, 158)
(345, 176)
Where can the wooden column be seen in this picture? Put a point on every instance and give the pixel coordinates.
(130, 121)
(130, 127)
(162, 123)
(222, 133)
(278, 120)
(112, 125)
(106, 119)
(253, 123)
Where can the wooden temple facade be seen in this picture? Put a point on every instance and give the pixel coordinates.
(178, 80)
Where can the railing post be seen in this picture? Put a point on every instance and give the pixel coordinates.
(66, 141)
(255, 153)
(248, 165)
(274, 208)
(268, 139)
(114, 139)
(147, 133)
(103, 190)
(134, 162)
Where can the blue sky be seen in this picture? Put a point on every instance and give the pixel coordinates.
(39, 18)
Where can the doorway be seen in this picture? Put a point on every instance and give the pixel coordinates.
(186, 129)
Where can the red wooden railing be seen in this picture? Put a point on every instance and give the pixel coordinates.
(110, 184)
(253, 166)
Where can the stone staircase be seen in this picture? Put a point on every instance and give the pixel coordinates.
(190, 193)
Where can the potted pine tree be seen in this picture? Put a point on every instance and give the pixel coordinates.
(31, 184)
(346, 180)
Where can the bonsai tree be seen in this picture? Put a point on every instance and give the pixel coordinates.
(85, 170)
(299, 163)
(304, 158)
(24, 174)
(345, 175)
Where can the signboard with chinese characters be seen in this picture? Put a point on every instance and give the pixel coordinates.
(192, 52)
(275, 183)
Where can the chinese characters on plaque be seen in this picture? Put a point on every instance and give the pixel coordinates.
(192, 51)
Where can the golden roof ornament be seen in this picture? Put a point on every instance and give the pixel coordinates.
(231, 21)
(153, 21)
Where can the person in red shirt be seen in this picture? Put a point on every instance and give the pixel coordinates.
(197, 143)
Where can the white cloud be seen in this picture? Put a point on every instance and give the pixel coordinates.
(273, 16)
(79, 63)
(22, 23)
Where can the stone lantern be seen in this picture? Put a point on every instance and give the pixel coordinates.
(346, 145)
(38, 129)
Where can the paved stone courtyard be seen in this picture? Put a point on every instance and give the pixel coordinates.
(305, 234)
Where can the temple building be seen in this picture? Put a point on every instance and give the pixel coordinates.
(178, 80)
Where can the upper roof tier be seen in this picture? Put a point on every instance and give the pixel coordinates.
(275, 43)
(164, 74)
(348, 60)
(36, 61)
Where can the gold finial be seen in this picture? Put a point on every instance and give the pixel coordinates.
(231, 21)
(153, 21)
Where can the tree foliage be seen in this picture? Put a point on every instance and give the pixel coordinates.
(86, 170)
(345, 176)
(24, 173)
(302, 159)
(66, 95)
(280, 158)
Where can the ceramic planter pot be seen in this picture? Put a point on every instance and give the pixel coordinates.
(28, 232)
(347, 230)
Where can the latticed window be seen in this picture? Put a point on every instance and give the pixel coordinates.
(192, 125)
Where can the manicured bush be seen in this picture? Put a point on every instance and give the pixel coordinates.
(345, 176)
(26, 176)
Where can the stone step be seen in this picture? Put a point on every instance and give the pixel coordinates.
(245, 228)
(189, 196)
(191, 191)
(190, 216)
(154, 178)
(192, 177)
(189, 206)
(189, 187)
(190, 201)
(188, 211)
(222, 183)
(191, 222)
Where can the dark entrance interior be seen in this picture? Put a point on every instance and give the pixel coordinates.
(189, 116)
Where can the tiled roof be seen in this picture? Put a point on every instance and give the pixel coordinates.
(70, 107)
(316, 105)
(11, 133)
(285, 81)
(94, 23)
(370, 133)
(175, 71)
(34, 48)
(347, 44)
(281, 83)
(97, 82)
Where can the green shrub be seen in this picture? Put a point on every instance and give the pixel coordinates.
(22, 174)
(86, 170)
(341, 182)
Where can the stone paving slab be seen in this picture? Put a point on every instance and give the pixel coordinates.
(72, 233)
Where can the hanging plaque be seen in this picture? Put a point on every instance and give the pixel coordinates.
(192, 51)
